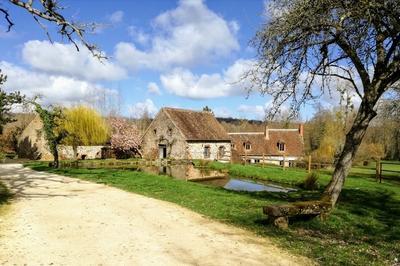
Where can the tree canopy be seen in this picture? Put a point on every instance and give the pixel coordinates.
(307, 46)
(83, 126)
(7, 100)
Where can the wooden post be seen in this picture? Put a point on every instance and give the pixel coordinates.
(284, 159)
(377, 169)
(309, 163)
(263, 160)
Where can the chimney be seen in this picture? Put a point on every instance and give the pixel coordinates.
(301, 129)
(266, 132)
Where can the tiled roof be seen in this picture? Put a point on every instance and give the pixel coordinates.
(196, 125)
(260, 145)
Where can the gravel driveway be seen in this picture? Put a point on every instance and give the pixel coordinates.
(65, 221)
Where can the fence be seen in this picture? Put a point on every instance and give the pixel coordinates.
(388, 170)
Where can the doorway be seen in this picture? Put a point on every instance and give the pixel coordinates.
(162, 151)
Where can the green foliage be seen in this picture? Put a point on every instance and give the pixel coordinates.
(83, 126)
(362, 230)
(6, 102)
(2, 155)
(51, 119)
(310, 182)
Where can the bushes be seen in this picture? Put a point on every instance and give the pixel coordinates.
(2, 157)
(310, 182)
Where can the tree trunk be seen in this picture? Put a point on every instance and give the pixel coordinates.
(75, 151)
(353, 140)
(55, 155)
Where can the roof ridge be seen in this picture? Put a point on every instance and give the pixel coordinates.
(183, 110)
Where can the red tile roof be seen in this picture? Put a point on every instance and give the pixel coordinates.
(260, 145)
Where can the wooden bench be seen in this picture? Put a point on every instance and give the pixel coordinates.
(279, 214)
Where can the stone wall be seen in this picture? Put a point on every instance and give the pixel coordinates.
(162, 131)
(32, 144)
(196, 150)
(83, 152)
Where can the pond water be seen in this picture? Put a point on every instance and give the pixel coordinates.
(205, 176)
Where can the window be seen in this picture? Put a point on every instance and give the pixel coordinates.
(170, 131)
(221, 151)
(247, 145)
(207, 151)
(281, 146)
(233, 146)
(155, 131)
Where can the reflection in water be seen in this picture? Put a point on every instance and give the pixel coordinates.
(184, 172)
(205, 176)
(214, 178)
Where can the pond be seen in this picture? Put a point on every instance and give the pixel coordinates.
(214, 178)
(204, 176)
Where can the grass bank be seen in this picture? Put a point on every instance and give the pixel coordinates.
(364, 229)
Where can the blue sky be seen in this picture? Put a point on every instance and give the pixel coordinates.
(187, 54)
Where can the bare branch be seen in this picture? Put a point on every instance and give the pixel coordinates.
(48, 10)
(7, 18)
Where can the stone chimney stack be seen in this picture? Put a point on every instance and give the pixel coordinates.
(266, 132)
(301, 129)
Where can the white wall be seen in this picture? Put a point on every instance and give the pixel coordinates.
(196, 150)
(91, 152)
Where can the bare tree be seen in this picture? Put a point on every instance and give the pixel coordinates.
(49, 11)
(305, 45)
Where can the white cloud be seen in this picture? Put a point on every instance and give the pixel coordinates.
(64, 59)
(138, 109)
(222, 112)
(138, 35)
(256, 111)
(185, 36)
(116, 17)
(184, 83)
(54, 89)
(153, 88)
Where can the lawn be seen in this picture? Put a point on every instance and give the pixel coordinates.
(364, 229)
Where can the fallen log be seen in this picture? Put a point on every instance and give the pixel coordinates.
(279, 214)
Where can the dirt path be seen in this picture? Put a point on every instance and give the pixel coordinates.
(60, 220)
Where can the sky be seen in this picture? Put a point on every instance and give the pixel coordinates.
(186, 54)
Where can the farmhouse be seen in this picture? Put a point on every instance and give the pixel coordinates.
(186, 134)
(33, 145)
(275, 146)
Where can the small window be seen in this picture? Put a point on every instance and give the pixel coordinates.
(247, 145)
(281, 146)
(170, 131)
(155, 131)
(233, 146)
(221, 151)
(207, 151)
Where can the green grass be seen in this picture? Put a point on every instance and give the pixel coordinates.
(364, 228)
(5, 194)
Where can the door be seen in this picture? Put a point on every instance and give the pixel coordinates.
(162, 151)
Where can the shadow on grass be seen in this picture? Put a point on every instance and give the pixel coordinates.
(5, 194)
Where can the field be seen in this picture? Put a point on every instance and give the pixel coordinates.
(364, 229)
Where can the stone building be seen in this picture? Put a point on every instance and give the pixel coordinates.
(33, 145)
(185, 134)
(274, 146)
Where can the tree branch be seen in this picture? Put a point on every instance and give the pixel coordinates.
(7, 18)
(66, 28)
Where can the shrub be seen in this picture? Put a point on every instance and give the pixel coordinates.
(2, 156)
(310, 182)
(204, 163)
